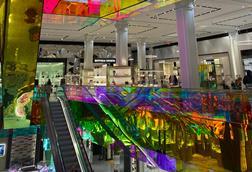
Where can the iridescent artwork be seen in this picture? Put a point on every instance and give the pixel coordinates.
(190, 125)
(109, 9)
(2, 15)
(19, 61)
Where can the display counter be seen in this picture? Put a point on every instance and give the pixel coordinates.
(107, 75)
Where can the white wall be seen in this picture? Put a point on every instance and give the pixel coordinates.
(213, 46)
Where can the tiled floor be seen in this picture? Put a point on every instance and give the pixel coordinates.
(101, 165)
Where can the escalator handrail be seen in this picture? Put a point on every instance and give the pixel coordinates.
(57, 156)
(79, 147)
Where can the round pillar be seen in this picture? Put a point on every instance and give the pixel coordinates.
(121, 43)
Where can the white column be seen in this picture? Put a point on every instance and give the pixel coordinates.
(189, 75)
(151, 53)
(150, 61)
(235, 56)
(89, 51)
(141, 54)
(122, 43)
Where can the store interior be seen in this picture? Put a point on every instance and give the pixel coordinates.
(126, 86)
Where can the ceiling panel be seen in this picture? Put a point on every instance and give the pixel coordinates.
(157, 25)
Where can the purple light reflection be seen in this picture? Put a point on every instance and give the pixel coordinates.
(163, 161)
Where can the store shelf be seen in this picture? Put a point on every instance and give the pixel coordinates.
(99, 77)
(128, 76)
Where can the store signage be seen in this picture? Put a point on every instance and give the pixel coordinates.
(104, 60)
(2, 149)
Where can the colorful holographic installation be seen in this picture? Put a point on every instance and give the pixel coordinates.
(188, 125)
(109, 9)
(19, 61)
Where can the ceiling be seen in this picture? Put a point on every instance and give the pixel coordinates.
(156, 26)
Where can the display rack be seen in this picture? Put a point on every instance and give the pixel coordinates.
(148, 78)
(106, 76)
(100, 76)
(170, 68)
(87, 76)
(119, 75)
(211, 74)
(73, 79)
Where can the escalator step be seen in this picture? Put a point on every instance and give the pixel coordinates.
(65, 139)
(70, 159)
(60, 119)
(72, 166)
(55, 106)
(57, 112)
(68, 155)
(60, 124)
(67, 147)
(62, 130)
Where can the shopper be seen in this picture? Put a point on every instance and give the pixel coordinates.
(48, 88)
(247, 80)
(175, 80)
(237, 85)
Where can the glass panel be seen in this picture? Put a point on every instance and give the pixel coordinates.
(188, 126)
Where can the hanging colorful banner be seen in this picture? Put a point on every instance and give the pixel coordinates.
(21, 41)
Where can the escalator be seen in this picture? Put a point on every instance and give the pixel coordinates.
(67, 148)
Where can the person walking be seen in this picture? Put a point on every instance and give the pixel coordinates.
(48, 88)
(247, 80)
